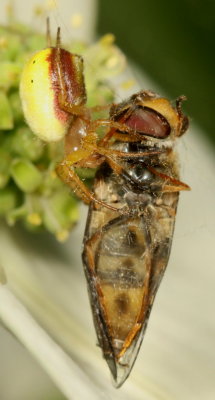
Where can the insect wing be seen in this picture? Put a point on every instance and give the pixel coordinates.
(125, 258)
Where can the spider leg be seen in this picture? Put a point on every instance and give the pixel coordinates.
(90, 141)
(131, 136)
(123, 154)
(66, 172)
(100, 108)
(74, 109)
(48, 33)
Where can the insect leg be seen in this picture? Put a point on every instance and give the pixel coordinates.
(116, 167)
(172, 184)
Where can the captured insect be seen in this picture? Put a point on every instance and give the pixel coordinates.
(125, 256)
(134, 200)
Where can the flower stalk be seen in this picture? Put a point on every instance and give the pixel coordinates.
(69, 377)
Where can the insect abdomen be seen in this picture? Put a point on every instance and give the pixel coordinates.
(130, 254)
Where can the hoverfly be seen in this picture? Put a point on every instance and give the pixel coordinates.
(125, 255)
(133, 205)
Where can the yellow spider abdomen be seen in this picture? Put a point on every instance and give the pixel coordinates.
(40, 88)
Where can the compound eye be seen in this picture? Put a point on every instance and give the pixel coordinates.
(149, 122)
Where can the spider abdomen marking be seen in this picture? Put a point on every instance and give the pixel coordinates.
(40, 88)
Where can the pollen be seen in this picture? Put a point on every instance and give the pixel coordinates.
(128, 84)
(34, 219)
(77, 20)
(53, 175)
(61, 236)
(112, 62)
(107, 40)
(3, 42)
(38, 11)
(51, 4)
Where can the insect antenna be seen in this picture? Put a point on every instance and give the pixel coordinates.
(179, 102)
(183, 118)
(48, 32)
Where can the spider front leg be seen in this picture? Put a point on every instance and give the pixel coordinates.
(129, 137)
(66, 172)
(100, 146)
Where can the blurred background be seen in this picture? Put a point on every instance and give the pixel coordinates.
(171, 48)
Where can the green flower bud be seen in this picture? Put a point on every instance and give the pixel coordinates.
(10, 44)
(30, 211)
(61, 212)
(8, 199)
(16, 107)
(9, 75)
(5, 160)
(27, 177)
(6, 116)
(15, 214)
(27, 145)
(35, 42)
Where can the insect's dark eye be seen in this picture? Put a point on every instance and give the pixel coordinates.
(149, 122)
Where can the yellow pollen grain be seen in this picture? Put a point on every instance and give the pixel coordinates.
(53, 175)
(34, 219)
(107, 39)
(128, 84)
(112, 62)
(61, 236)
(77, 20)
(38, 11)
(51, 4)
(9, 10)
(3, 42)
